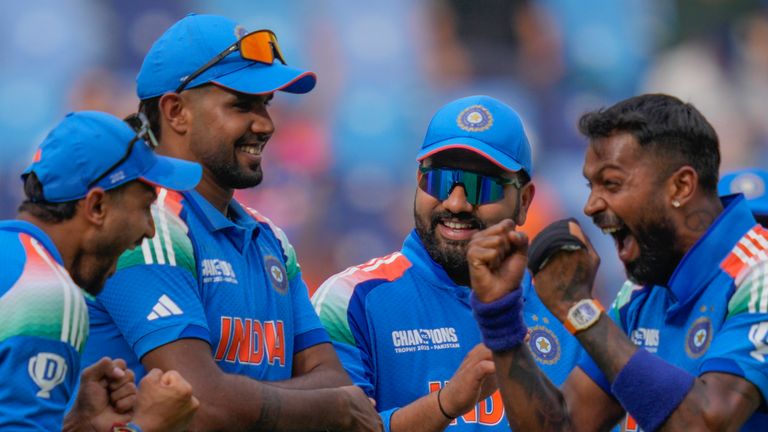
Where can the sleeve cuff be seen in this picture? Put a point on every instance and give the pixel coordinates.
(309, 339)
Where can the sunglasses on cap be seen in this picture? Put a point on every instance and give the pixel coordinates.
(139, 123)
(478, 188)
(260, 46)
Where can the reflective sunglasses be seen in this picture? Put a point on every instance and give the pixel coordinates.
(140, 124)
(260, 46)
(478, 188)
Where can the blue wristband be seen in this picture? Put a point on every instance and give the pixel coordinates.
(501, 321)
(650, 389)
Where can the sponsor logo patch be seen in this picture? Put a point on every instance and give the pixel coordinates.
(47, 370)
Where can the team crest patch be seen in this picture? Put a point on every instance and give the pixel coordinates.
(544, 345)
(277, 274)
(699, 337)
(751, 185)
(476, 118)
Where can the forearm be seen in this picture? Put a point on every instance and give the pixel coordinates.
(421, 415)
(318, 378)
(74, 422)
(608, 346)
(240, 403)
(520, 379)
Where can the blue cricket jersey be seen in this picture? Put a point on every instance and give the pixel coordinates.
(231, 281)
(713, 316)
(402, 327)
(43, 326)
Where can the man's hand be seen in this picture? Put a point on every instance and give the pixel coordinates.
(568, 275)
(362, 413)
(165, 402)
(497, 257)
(472, 382)
(106, 396)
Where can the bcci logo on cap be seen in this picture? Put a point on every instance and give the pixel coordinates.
(47, 370)
(476, 118)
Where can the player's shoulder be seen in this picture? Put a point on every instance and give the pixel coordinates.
(627, 295)
(43, 301)
(750, 293)
(171, 246)
(361, 279)
(277, 233)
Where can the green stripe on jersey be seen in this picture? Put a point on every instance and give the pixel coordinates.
(170, 246)
(751, 295)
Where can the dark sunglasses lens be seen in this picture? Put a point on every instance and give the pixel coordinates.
(479, 189)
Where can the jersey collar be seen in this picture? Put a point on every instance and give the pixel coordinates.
(711, 249)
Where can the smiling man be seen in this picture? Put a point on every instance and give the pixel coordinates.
(217, 293)
(402, 323)
(684, 345)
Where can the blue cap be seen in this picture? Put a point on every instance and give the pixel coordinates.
(483, 125)
(752, 183)
(86, 144)
(196, 39)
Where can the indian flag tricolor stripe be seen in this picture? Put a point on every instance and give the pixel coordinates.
(752, 248)
(747, 264)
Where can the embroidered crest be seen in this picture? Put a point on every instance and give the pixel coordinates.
(277, 274)
(699, 337)
(544, 345)
(476, 118)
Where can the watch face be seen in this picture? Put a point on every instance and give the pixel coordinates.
(583, 313)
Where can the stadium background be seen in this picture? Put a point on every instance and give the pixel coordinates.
(340, 171)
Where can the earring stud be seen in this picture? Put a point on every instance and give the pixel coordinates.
(675, 203)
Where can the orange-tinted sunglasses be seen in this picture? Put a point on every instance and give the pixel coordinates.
(260, 46)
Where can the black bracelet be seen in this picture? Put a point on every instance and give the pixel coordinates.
(440, 405)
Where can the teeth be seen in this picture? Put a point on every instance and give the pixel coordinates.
(251, 149)
(611, 230)
(457, 225)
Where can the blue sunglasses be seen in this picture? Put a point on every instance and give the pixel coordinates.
(478, 188)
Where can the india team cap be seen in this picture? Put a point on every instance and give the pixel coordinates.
(753, 183)
(196, 39)
(86, 144)
(483, 125)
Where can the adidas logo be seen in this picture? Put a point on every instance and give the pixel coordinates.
(163, 308)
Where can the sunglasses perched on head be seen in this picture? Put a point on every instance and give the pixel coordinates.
(140, 124)
(260, 46)
(478, 188)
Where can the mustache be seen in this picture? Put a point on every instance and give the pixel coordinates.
(463, 217)
(603, 219)
(259, 139)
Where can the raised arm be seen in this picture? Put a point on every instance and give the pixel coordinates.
(497, 259)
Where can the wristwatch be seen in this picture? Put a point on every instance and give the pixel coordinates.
(583, 315)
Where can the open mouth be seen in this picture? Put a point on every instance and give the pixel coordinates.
(454, 229)
(626, 244)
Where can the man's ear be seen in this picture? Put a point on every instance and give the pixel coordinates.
(173, 113)
(681, 186)
(94, 206)
(525, 199)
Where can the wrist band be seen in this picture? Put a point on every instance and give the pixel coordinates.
(440, 405)
(501, 321)
(125, 427)
(650, 389)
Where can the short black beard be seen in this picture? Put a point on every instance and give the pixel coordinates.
(448, 254)
(659, 256)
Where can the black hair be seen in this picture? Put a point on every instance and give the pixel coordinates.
(151, 108)
(676, 132)
(51, 212)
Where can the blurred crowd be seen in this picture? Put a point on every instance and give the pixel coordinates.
(339, 172)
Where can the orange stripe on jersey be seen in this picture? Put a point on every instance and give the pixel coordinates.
(752, 247)
(389, 267)
(173, 201)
